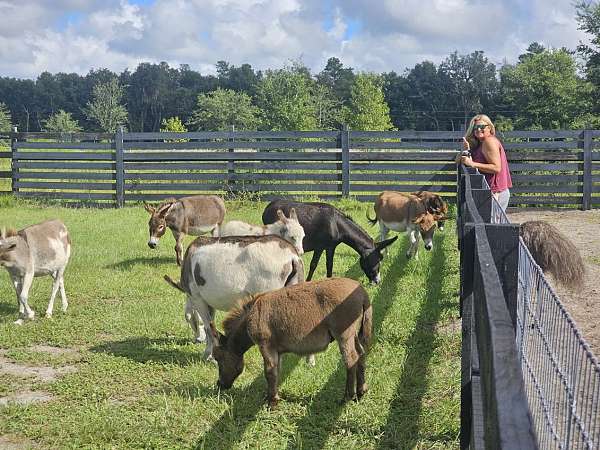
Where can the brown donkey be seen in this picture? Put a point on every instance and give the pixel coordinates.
(193, 215)
(302, 319)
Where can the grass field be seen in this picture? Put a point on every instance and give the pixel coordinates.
(128, 375)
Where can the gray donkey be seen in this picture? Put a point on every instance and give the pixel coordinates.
(41, 249)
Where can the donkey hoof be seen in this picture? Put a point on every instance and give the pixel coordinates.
(18, 322)
(199, 340)
(272, 402)
(310, 360)
(48, 315)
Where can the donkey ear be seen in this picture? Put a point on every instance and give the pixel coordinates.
(150, 209)
(214, 333)
(7, 246)
(293, 214)
(281, 216)
(383, 244)
(164, 210)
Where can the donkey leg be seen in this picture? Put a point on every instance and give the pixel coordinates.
(350, 357)
(314, 262)
(27, 312)
(383, 232)
(178, 247)
(193, 319)
(329, 261)
(55, 285)
(414, 244)
(207, 314)
(63, 294)
(361, 386)
(271, 365)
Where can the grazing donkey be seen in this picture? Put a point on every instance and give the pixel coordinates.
(217, 272)
(286, 228)
(404, 212)
(325, 227)
(193, 215)
(301, 319)
(36, 250)
(435, 205)
(553, 252)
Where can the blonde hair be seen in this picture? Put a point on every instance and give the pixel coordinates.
(473, 142)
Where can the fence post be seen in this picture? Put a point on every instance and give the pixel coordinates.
(504, 243)
(587, 169)
(13, 164)
(345, 144)
(119, 168)
(231, 164)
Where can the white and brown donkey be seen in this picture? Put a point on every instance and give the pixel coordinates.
(195, 215)
(41, 249)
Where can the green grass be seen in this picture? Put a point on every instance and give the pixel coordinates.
(140, 382)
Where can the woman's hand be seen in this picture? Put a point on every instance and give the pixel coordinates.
(466, 145)
(467, 161)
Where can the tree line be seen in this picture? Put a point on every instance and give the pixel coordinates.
(546, 88)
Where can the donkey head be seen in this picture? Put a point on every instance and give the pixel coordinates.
(157, 224)
(6, 246)
(426, 222)
(370, 262)
(230, 364)
(291, 230)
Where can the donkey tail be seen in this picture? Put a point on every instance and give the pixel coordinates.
(553, 252)
(373, 221)
(173, 283)
(363, 340)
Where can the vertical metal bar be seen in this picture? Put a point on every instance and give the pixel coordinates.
(119, 168)
(231, 164)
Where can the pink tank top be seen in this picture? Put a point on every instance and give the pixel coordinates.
(498, 181)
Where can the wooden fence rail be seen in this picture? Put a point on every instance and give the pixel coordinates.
(555, 167)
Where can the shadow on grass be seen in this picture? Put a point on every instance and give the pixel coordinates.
(9, 310)
(320, 418)
(145, 261)
(161, 350)
(402, 427)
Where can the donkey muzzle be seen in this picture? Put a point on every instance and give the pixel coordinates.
(153, 242)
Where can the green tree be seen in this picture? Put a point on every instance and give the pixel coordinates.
(62, 122)
(173, 125)
(223, 108)
(545, 90)
(368, 109)
(338, 79)
(471, 82)
(5, 119)
(105, 108)
(285, 97)
(588, 18)
(328, 108)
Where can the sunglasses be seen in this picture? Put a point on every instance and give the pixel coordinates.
(480, 127)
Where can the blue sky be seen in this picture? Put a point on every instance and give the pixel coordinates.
(372, 36)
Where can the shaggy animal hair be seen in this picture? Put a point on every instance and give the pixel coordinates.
(553, 252)
(6, 233)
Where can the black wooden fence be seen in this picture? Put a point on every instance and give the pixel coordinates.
(549, 167)
(494, 408)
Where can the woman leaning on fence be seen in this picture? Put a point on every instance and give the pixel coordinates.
(484, 151)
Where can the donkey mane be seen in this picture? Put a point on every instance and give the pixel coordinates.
(9, 232)
(238, 314)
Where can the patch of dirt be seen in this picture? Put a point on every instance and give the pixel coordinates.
(12, 442)
(41, 373)
(583, 229)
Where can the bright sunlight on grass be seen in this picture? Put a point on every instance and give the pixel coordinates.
(128, 376)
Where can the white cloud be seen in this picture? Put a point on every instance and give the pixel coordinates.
(386, 35)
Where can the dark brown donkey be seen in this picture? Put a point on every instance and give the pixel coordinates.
(302, 319)
(195, 215)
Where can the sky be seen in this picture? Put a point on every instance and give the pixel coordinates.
(367, 35)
